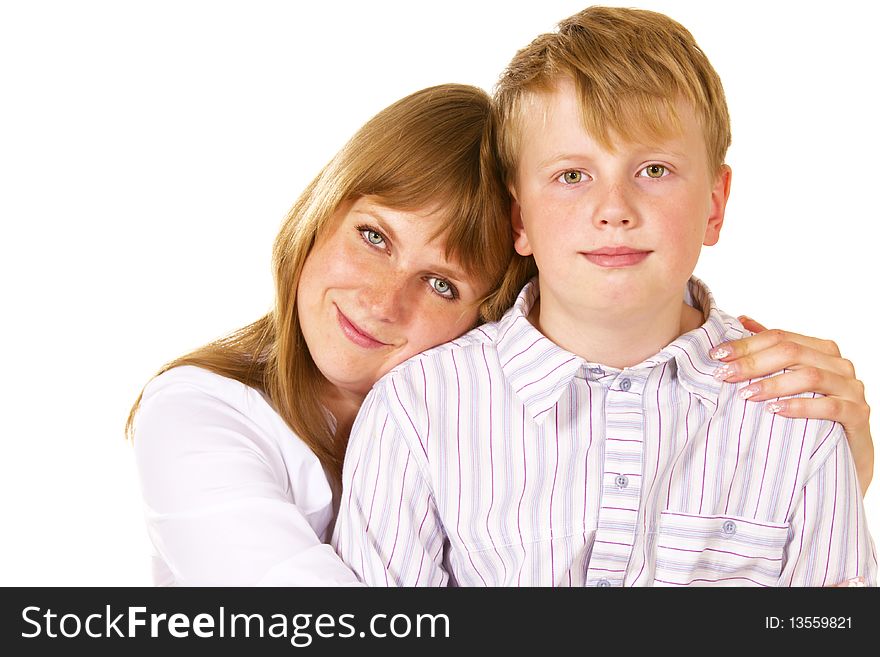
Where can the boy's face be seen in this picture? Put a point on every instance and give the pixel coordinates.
(612, 232)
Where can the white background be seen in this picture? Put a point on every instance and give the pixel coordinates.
(149, 150)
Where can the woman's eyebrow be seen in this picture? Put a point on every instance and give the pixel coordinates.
(382, 224)
(453, 272)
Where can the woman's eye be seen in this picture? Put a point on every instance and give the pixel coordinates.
(654, 171)
(442, 287)
(372, 236)
(571, 177)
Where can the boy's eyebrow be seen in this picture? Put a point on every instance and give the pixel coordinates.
(664, 151)
(560, 157)
(643, 148)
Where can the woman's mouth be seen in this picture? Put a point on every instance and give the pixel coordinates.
(356, 334)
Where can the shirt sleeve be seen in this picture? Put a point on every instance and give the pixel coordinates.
(218, 506)
(388, 530)
(829, 541)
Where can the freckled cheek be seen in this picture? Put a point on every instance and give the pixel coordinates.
(347, 266)
(553, 224)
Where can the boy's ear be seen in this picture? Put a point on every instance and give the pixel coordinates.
(720, 194)
(520, 239)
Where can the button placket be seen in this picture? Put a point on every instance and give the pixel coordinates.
(617, 522)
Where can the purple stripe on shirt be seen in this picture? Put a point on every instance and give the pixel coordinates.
(688, 356)
(719, 579)
(491, 464)
(547, 375)
(399, 510)
(716, 517)
(552, 491)
(766, 462)
(705, 459)
(656, 470)
(818, 447)
(742, 422)
(708, 549)
(681, 451)
(419, 536)
(525, 481)
(427, 415)
(803, 529)
(458, 443)
(376, 482)
(514, 357)
(833, 517)
(406, 412)
(800, 456)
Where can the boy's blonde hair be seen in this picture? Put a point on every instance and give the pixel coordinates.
(630, 67)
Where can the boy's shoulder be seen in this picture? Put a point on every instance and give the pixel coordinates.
(696, 372)
(481, 339)
(490, 342)
(818, 437)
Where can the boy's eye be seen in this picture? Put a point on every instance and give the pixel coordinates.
(571, 177)
(442, 287)
(654, 171)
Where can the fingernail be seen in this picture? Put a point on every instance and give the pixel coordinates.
(720, 352)
(744, 318)
(774, 407)
(723, 372)
(749, 391)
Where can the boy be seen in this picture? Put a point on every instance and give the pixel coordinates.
(582, 440)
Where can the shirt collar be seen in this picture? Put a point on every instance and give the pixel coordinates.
(539, 370)
(690, 352)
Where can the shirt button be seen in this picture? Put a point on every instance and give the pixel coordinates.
(602, 583)
(728, 528)
(621, 481)
(625, 385)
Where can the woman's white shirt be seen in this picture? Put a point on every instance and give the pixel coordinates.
(232, 496)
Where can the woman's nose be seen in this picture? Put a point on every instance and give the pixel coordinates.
(385, 298)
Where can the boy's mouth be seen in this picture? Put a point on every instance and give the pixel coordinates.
(616, 256)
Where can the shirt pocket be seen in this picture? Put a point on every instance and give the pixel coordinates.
(694, 550)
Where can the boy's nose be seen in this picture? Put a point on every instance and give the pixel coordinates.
(614, 209)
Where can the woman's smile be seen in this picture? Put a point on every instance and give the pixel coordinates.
(356, 334)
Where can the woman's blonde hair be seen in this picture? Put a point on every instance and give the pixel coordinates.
(432, 149)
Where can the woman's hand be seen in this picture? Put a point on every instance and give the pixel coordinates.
(816, 366)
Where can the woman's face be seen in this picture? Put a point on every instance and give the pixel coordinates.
(375, 290)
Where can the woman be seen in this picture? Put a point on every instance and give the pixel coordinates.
(402, 242)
